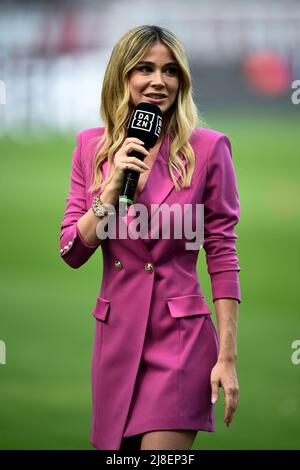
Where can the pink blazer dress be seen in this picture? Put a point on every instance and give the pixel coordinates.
(155, 342)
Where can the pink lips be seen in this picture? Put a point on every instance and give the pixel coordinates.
(155, 97)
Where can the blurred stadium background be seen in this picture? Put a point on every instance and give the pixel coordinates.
(245, 61)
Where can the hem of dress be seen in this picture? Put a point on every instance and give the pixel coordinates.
(160, 425)
(157, 425)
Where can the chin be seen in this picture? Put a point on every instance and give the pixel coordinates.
(164, 108)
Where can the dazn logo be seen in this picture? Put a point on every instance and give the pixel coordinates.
(143, 120)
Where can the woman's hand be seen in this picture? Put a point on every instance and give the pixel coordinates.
(122, 161)
(224, 374)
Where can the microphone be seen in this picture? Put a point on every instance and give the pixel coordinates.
(145, 124)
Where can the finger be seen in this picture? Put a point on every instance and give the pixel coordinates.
(133, 139)
(133, 146)
(229, 406)
(233, 406)
(136, 161)
(129, 163)
(235, 399)
(132, 166)
(214, 391)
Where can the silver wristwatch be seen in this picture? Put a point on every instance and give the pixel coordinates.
(100, 209)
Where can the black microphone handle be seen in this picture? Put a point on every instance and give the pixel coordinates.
(130, 182)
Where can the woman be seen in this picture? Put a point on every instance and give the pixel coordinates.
(157, 361)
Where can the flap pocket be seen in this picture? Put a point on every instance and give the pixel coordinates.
(101, 309)
(188, 305)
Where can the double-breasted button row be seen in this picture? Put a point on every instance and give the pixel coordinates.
(66, 247)
(148, 266)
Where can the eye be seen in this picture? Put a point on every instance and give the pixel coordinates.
(144, 68)
(172, 70)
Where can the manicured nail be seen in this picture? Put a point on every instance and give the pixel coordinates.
(213, 400)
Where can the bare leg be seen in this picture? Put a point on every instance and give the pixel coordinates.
(168, 440)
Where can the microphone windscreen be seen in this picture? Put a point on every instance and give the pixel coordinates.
(145, 123)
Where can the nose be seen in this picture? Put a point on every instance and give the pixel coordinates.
(157, 79)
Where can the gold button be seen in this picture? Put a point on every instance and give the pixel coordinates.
(149, 267)
(118, 264)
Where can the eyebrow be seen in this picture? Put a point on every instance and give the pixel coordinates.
(147, 62)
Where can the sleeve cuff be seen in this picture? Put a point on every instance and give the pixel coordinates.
(225, 284)
(74, 249)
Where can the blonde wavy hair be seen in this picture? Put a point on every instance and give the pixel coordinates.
(116, 107)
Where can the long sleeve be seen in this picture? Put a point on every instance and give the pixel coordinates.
(73, 248)
(221, 214)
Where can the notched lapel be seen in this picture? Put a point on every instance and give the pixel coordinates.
(157, 187)
(159, 183)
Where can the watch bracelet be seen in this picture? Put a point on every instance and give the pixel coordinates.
(99, 208)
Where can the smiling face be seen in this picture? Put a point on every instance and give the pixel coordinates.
(155, 79)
